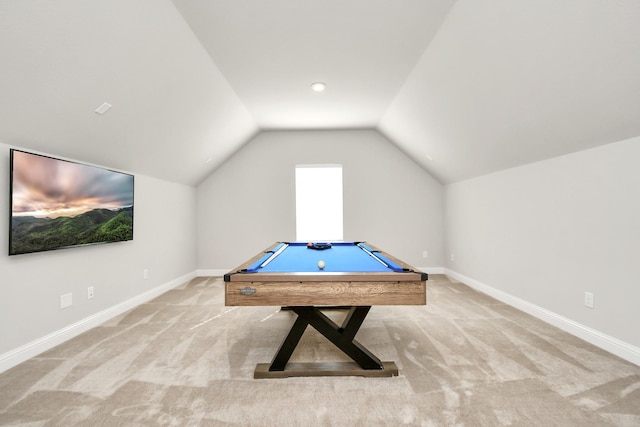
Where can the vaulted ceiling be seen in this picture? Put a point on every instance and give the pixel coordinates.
(464, 87)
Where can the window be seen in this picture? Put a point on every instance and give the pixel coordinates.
(318, 202)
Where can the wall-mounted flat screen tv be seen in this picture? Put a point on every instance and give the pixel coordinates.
(59, 204)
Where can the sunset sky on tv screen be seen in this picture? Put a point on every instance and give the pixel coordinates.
(46, 187)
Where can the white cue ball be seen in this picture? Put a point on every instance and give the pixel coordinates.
(321, 264)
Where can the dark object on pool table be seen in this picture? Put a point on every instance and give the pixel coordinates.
(318, 246)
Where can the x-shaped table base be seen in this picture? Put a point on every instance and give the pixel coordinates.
(341, 336)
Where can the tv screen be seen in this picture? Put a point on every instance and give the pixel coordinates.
(59, 204)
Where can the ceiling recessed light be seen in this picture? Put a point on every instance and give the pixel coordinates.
(318, 86)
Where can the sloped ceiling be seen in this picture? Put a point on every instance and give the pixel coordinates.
(506, 83)
(464, 87)
(172, 109)
(272, 51)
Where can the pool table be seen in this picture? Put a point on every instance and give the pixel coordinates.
(355, 275)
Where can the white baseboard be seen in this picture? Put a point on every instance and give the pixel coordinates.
(432, 270)
(16, 356)
(211, 273)
(612, 345)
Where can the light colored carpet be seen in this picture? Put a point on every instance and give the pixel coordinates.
(185, 359)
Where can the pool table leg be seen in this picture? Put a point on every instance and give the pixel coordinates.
(289, 344)
(341, 336)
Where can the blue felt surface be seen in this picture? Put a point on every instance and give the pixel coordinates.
(342, 257)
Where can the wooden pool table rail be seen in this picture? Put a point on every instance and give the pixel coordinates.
(325, 288)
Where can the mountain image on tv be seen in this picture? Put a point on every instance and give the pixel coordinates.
(32, 234)
(60, 204)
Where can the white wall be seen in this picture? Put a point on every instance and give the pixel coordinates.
(249, 202)
(31, 284)
(549, 231)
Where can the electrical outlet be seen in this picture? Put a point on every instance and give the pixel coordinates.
(588, 299)
(452, 257)
(66, 300)
(145, 274)
(425, 254)
(90, 292)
